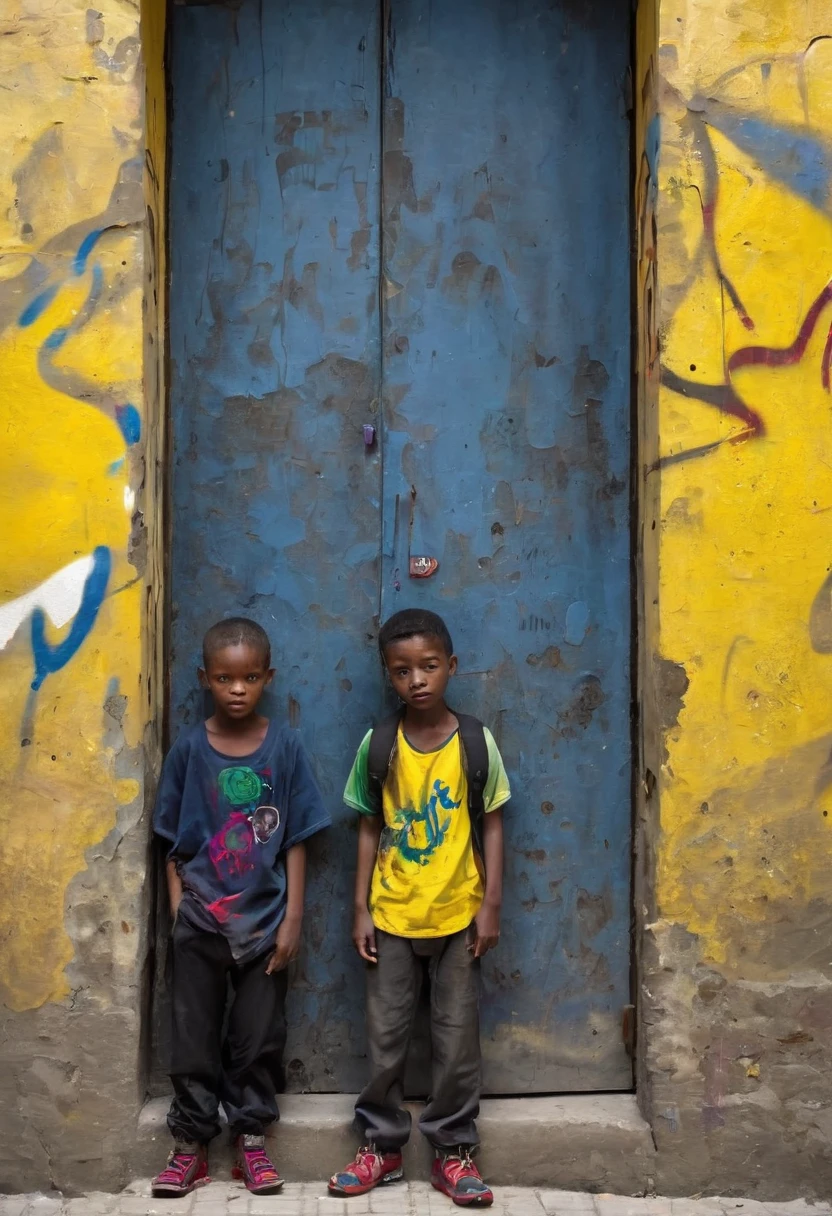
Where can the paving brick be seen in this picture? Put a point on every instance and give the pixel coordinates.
(91, 1205)
(625, 1205)
(265, 1205)
(519, 1200)
(12, 1205)
(798, 1207)
(331, 1207)
(557, 1202)
(224, 1198)
(217, 1192)
(43, 1205)
(145, 1205)
(697, 1207)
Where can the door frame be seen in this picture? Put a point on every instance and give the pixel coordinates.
(645, 722)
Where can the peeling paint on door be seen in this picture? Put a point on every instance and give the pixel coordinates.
(377, 223)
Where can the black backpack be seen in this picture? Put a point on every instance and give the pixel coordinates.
(474, 761)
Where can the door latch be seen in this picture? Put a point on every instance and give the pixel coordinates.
(423, 567)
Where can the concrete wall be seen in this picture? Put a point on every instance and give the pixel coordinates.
(78, 261)
(734, 169)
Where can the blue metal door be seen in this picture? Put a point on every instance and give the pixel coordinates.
(414, 217)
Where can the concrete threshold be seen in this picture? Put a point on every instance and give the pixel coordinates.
(581, 1142)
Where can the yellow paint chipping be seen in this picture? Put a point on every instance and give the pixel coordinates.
(744, 549)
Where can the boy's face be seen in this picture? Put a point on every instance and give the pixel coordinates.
(419, 670)
(237, 676)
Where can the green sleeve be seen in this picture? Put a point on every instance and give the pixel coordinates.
(497, 789)
(357, 793)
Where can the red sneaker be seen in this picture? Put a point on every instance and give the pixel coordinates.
(187, 1168)
(455, 1175)
(370, 1168)
(254, 1166)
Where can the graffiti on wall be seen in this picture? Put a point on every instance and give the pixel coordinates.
(71, 215)
(743, 241)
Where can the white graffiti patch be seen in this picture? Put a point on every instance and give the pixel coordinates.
(59, 596)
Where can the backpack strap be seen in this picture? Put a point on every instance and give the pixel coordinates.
(379, 755)
(475, 758)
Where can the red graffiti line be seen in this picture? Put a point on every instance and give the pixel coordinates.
(771, 356)
(725, 398)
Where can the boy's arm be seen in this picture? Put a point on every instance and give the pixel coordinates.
(363, 930)
(487, 920)
(166, 817)
(174, 886)
(287, 943)
(306, 815)
(357, 796)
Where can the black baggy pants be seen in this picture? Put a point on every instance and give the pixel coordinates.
(393, 984)
(243, 1072)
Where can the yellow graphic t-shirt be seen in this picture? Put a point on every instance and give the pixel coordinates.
(428, 881)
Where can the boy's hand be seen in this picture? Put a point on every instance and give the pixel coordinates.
(287, 945)
(364, 936)
(486, 931)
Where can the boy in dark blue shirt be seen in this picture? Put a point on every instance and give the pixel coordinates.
(236, 801)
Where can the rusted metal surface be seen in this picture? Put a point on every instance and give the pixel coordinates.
(275, 351)
(506, 390)
(495, 485)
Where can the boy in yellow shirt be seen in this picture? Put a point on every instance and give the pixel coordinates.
(428, 787)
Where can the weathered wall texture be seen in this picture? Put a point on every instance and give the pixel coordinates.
(735, 255)
(75, 256)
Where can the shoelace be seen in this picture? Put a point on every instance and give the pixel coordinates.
(362, 1167)
(177, 1167)
(259, 1165)
(458, 1167)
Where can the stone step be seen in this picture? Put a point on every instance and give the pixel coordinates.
(581, 1142)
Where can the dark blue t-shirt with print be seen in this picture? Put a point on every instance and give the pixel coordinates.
(229, 821)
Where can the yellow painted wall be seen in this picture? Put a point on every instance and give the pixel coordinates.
(743, 437)
(73, 270)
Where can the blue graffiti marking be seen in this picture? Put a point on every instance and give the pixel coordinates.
(48, 658)
(126, 416)
(37, 307)
(86, 247)
(799, 161)
(57, 338)
(130, 421)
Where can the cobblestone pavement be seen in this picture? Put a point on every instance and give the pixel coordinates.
(414, 1199)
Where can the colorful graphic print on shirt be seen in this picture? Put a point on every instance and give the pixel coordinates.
(253, 820)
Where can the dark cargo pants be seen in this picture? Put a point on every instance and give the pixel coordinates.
(393, 984)
(243, 1071)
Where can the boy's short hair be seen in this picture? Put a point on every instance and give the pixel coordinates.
(413, 623)
(236, 631)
